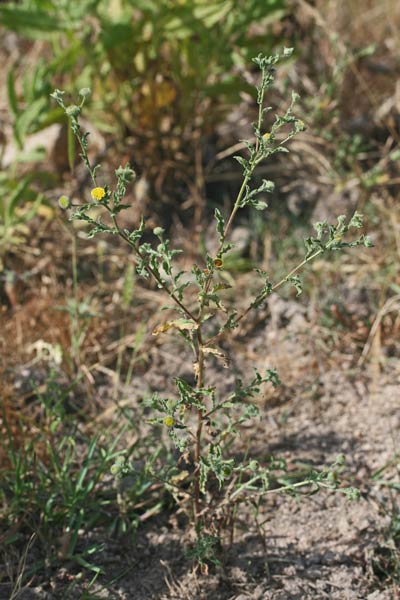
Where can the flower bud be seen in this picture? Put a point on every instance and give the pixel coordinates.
(64, 202)
(73, 111)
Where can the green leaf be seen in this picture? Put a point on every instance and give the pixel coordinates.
(204, 471)
(210, 14)
(220, 224)
(243, 162)
(128, 285)
(84, 563)
(12, 96)
(295, 279)
(26, 119)
(273, 377)
(356, 220)
(258, 204)
(17, 195)
(37, 155)
(35, 23)
(230, 323)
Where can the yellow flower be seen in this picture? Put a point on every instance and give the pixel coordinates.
(169, 421)
(98, 193)
(266, 136)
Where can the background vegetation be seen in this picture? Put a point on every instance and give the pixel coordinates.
(172, 94)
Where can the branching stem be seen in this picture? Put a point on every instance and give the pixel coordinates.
(199, 430)
(274, 288)
(151, 272)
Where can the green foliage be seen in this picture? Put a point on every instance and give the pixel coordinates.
(19, 203)
(157, 65)
(31, 112)
(56, 484)
(330, 237)
(203, 422)
(80, 313)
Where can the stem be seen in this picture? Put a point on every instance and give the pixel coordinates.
(253, 165)
(299, 266)
(84, 155)
(199, 430)
(273, 289)
(151, 271)
(283, 488)
(235, 208)
(258, 157)
(282, 281)
(253, 480)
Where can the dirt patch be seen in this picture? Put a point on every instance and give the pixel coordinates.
(320, 546)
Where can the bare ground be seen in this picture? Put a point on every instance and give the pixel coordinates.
(319, 546)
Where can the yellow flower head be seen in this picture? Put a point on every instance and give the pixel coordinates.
(98, 193)
(169, 421)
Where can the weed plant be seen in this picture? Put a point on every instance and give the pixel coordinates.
(207, 480)
(57, 486)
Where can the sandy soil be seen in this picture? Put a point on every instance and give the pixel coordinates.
(319, 546)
